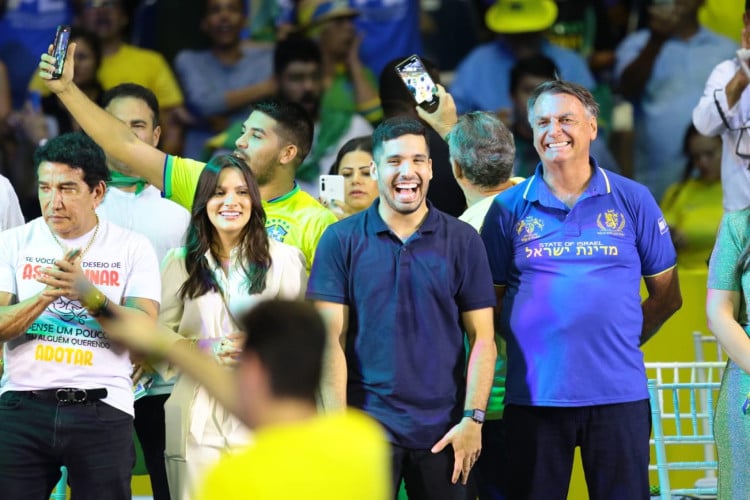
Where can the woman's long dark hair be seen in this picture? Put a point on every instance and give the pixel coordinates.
(254, 255)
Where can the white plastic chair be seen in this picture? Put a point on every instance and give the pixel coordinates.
(682, 396)
(707, 348)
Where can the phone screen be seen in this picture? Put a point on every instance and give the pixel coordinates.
(60, 49)
(418, 81)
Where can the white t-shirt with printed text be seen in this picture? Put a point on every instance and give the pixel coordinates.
(65, 346)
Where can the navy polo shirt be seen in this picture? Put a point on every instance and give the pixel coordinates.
(404, 350)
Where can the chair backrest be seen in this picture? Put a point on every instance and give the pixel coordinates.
(707, 348)
(683, 396)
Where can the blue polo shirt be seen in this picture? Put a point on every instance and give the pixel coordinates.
(571, 313)
(404, 350)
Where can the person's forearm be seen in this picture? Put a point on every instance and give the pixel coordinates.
(202, 368)
(480, 373)
(334, 377)
(736, 87)
(112, 135)
(732, 338)
(634, 78)
(16, 319)
(365, 93)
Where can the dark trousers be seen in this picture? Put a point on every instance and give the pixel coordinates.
(541, 442)
(491, 468)
(93, 440)
(427, 475)
(149, 426)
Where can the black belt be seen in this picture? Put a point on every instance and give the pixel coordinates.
(67, 395)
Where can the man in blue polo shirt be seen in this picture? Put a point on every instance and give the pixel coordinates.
(399, 284)
(567, 248)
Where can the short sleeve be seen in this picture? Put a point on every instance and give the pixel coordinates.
(475, 291)
(329, 275)
(181, 180)
(730, 243)
(497, 242)
(143, 280)
(653, 240)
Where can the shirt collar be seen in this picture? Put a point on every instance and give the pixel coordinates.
(537, 190)
(374, 224)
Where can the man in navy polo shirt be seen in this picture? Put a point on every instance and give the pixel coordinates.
(399, 284)
(567, 248)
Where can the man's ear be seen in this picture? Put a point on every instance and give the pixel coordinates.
(458, 172)
(157, 135)
(99, 191)
(373, 170)
(288, 154)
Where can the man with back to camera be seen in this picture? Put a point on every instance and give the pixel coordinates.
(67, 397)
(481, 155)
(396, 282)
(296, 452)
(567, 248)
(275, 139)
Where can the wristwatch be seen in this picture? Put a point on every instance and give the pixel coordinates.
(476, 415)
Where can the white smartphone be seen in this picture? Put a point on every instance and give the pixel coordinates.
(331, 187)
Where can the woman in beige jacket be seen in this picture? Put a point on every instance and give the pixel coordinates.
(228, 265)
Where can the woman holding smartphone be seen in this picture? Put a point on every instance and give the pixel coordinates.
(228, 264)
(353, 164)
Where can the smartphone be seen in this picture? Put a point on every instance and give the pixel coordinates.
(60, 49)
(419, 83)
(331, 187)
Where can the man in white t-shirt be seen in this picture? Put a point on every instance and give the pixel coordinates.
(66, 397)
(10, 210)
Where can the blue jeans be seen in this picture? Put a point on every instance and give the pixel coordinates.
(93, 440)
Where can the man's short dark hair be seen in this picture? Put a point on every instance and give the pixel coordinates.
(483, 147)
(293, 123)
(392, 128)
(294, 48)
(289, 338)
(137, 92)
(537, 65)
(77, 150)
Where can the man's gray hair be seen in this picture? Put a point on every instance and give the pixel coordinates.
(564, 87)
(483, 147)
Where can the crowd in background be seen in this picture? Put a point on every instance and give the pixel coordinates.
(213, 104)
